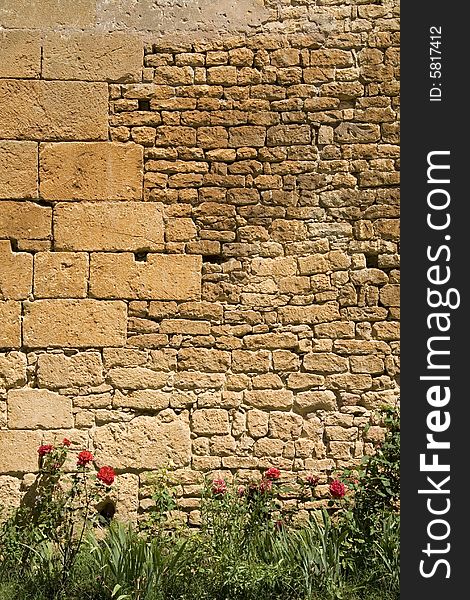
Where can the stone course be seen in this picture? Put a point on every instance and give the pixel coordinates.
(199, 237)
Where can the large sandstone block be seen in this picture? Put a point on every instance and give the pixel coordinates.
(16, 273)
(18, 169)
(12, 369)
(25, 221)
(57, 371)
(20, 54)
(10, 319)
(317, 400)
(38, 409)
(145, 442)
(132, 226)
(91, 171)
(113, 57)
(39, 14)
(160, 277)
(60, 275)
(203, 359)
(19, 451)
(53, 110)
(74, 324)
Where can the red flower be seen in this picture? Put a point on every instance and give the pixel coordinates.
(337, 489)
(45, 449)
(241, 491)
(272, 474)
(66, 442)
(84, 458)
(106, 475)
(265, 486)
(219, 486)
(313, 480)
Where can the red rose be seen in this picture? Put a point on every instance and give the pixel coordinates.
(313, 480)
(66, 442)
(272, 474)
(337, 489)
(219, 486)
(45, 449)
(106, 475)
(84, 458)
(265, 486)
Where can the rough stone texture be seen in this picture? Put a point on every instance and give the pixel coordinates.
(145, 441)
(216, 277)
(10, 318)
(91, 171)
(108, 226)
(18, 451)
(12, 370)
(38, 409)
(16, 273)
(60, 275)
(20, 54)
(57, 371)
(77, 324)
(38, 14)
(115, 57)
(25, 221)
(18, 173)
(53, 110)
(160, 277)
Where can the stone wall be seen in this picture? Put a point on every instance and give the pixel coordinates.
(199, 237)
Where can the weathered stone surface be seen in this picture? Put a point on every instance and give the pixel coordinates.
(60, 275)
(210, 421)
(69, 110)
(320, 313)
(91, 171)
(153, 400)
(39, 14)
(74, 324)
(131, 226)
(145, 441)
(18, 168)
(25, 221)
(203, 359)
(325, 362)
(113, 57)
(269, 399)
(12, 369)
(136, 378)
(57, 371)
(38, 409)
(10, 318)
(18, 451)
(354, 133)
(16, 273)
(20, 54)
(160, 277)
(10, 495)
(311, 401)
(287, 135)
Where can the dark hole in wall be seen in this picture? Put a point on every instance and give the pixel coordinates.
(214, 259)
(372, 261)
(144, 104)
(107, 510)
(141, 256)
